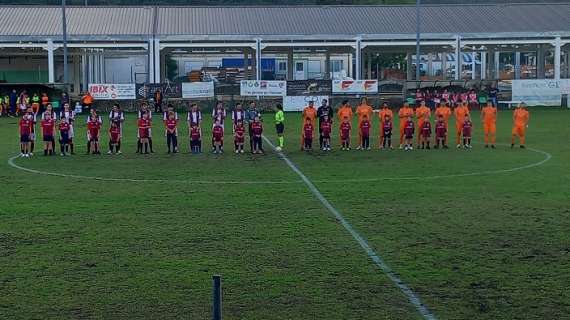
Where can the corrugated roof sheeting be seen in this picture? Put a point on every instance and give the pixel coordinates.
(295, 21)
(362, 19)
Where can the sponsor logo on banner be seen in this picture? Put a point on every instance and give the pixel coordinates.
(298, 103)
(168, 89)
(197, 90)
(542, 92)
(354, 86)
(106, 91)
(263, 88)
(309, 87)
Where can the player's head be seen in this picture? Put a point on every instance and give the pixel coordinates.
(489, 104)
(440, 117)
(426, 117)
(171, 115)
(409, 118)
(279, 107)
(145, 115)
(252, 104)
(345, 119)
(239, 106)
(114, 124)
(522, 105)
(364, 100)
(194, 106)
(467, 117)
(240, 122)
(307, 120)
(365, 117)
(423, 103)
(387, 118)
(311, 103)
(385, 105)
(324, 102)
(219, 105)
(66, 106)
(49, 107)
(345, 102)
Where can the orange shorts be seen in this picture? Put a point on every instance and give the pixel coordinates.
(490, 127)
(519, 130)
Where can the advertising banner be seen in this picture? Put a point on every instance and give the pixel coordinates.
(263, 88)
(168, 89)
(298, 103)
(110, 91)
(354, 86)
(309, 87)
(192, 90)
(542, 92)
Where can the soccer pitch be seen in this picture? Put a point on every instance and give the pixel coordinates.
(478, 234)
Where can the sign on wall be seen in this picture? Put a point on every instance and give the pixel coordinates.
(191, 90)
(298, 103)
(354, 86)
(168, 89)
(542, 92)
(263, 88)
(108, 91)
(309, 87)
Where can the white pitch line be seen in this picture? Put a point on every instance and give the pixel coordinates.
(377, 259)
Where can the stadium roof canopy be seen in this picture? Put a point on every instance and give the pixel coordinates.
(296, 23)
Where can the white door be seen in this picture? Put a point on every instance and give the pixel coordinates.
(300, 70)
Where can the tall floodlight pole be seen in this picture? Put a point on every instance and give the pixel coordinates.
(418, 60)
(64, 25)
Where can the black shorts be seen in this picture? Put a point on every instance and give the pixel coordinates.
(94, 139)
(64, 139)
(280, 127)
(24, 138)
(388, 134)
(48, 138)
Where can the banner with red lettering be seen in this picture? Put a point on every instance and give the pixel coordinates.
(354, 86)
(106, 91)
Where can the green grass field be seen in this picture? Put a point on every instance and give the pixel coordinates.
(471, 236)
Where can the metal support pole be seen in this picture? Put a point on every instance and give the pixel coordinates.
(483, 65)
(358, 53)
(328, 75)
(51, 67)
(444, 65)
(290, 64)
(157, 65)
(458, 59)
(557, 63)
(418, 58)
(217, 298)
(473, 65)
(150, 61)
(257, 59)
(64, 24)
(517, 65)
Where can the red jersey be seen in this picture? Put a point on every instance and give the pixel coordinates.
(47, 127)
(171, 124)
(440, 129)
(467, 125)
(426, 129)
(387, 127)
(144, 126)
(257, 129)
(195, 134)
(93, 127)
(308, 131)
(115, 133)
(25, 127)
(365, 128)
(409, 129)
(326, 128)
(64, 127)
(345, 130)
(239, 136)
(218, 133)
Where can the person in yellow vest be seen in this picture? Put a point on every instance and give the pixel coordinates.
(364, 110)
(521, 117)
(422, 113)
(384, 112)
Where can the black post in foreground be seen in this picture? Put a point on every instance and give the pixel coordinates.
(217, 298)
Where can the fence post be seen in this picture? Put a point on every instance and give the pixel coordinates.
(217, 298)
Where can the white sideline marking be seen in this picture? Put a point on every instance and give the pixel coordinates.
(412, 297)
(547, 157)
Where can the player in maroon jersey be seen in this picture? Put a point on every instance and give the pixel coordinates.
(115, 138)
(425, 133)
(440, 133)
(144, 125)
(195, 138)
(467, 128)
(64, 140)
(171, 124)
(345, 128)
(93, 134)
(409, 134)
(326, 129)
(308, 130)
(218, 137)
(48, 130)
(387, 127)
(257, 132)
(25, 129)
(239, 136)
(365, 133)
